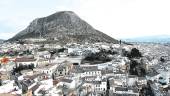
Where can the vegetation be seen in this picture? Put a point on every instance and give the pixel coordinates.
(147, 90)
(108, 88)
(52, 52)
(0, 82)
(21, 42)
(99, 57)
(22, 67)
(162, 59)
(136, 68)
(61, 50)
(134, 53)
(136, 64)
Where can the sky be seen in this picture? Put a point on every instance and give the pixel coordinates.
(117, 18)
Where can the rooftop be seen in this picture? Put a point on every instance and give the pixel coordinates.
(66, 80)
(24, 59)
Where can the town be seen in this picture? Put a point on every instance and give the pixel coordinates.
(99, 69)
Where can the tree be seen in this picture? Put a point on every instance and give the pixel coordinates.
(135, 53)
(108, 88)
(31, 66)
(0, 82)
(61, 50)
(53, 77)
(136, 68)
(162, 59)
(52, 52)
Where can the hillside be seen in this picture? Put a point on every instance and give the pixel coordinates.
(63, 27)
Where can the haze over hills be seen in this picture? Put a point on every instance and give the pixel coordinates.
(64, 27)
(150, 39)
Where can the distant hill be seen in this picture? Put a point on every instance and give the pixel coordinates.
(63, 27)
(1, 40)
(154, 39)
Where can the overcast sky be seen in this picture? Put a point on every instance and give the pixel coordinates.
(117, 18)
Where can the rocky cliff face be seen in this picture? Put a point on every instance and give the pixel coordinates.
(64, 27)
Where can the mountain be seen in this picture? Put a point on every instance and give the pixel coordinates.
(1, 41)
(63, 27)
(151, 39)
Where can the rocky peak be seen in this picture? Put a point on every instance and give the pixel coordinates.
(65, 26)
